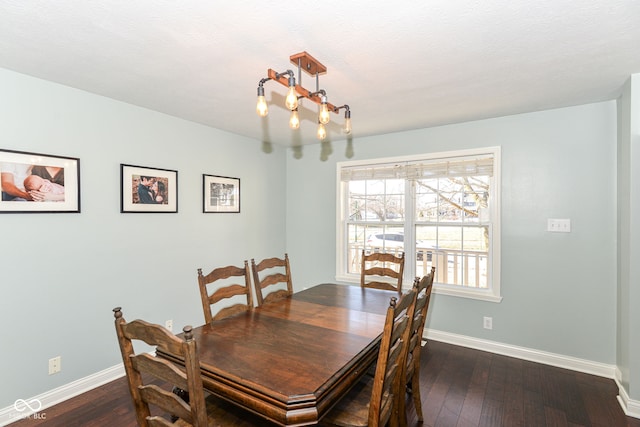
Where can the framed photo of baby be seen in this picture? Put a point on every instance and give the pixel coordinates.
(39, 183)
(145, 189)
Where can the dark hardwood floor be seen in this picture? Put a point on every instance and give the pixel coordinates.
(460, 387)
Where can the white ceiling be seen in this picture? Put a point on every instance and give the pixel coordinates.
(399, 65)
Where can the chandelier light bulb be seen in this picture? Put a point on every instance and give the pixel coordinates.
(324, 116)
(291, 101)
(347, 126)
(261, 106)
(294, 120)
(322, 132)
(347, 121)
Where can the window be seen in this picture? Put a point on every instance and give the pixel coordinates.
(440, 209)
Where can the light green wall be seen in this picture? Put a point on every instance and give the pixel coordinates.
(634, 254)
(61, 274)
(628, 250)
(559, 289)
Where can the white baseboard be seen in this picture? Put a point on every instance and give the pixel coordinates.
(568, 362)
(630, 407)
(34, 407)
(52, 397)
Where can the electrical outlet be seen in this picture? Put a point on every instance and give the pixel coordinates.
(488, 322)
(55, 365)
(169, 325)
(559, 225)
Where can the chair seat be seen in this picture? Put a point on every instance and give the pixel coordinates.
(353, 409)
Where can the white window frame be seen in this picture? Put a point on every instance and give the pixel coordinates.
(491, 294)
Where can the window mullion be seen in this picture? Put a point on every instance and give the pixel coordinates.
(409, 229)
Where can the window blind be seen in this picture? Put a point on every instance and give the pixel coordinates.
(423, 169)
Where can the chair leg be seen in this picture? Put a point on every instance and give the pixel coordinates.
(415, 392)
(402, 411)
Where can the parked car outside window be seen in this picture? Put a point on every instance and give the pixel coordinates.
(396, 240)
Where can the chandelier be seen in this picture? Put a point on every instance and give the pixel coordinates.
(295, 92)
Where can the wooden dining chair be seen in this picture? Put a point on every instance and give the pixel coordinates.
(378, 265)
(423, 288)
(227, 289)
(375, 401)
(274, 272)
(152, 381)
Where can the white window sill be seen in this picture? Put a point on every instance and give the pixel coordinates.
(477, 294)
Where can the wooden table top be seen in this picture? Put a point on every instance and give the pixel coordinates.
(291, 360)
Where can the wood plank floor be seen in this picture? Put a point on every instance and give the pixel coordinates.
(460, 387)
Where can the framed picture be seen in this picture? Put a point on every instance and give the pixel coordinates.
(220, 194)
(144, 189)
(39, 183)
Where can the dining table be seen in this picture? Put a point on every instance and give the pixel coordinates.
(291, 360)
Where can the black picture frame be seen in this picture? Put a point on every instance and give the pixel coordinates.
(220, 194)
(39, 183)
(159, 196)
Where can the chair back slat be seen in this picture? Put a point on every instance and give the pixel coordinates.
(156, 336)
(161, 369)
(227, 292)
(415, 338)
(273, 279)
(399, 329)
(170, 402)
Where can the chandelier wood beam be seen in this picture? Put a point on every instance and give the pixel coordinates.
(300, 90)
(308, 63)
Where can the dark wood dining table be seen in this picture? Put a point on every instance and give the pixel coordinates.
(291, 360)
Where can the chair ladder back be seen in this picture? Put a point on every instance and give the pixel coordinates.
(387, 393)
(422, 305)
(261, 282)
(411, 375)
(227, 291)
(424, 287)
(379, 266)
(143, 395)
(134, 378)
